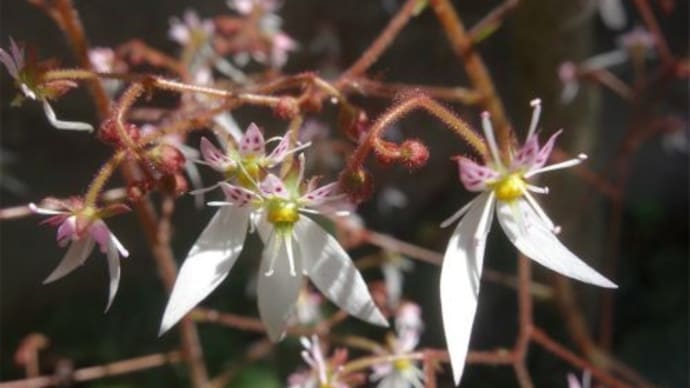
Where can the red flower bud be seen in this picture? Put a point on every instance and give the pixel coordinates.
(138, 190)
(287, 108)
(413, 154)
(167, 158)
(109, 134)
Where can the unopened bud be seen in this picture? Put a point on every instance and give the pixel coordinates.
(167, 158)
(109, 134)
(357, 184)
(413, 154)
(287, 108)
(137, 190)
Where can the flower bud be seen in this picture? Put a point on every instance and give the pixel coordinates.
(138, 190)
(109, 134)
(167, 158)
(413, 154)
(357, 184)
(387, 152)
(287, 108)
(173, 184)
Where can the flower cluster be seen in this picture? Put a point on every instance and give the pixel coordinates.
(295, 245)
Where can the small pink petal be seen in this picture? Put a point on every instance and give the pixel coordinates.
(319, 195)
(272, 185)
(67, 230)
(278, 154)
(545, 151)
(214, 156)
(527, 155)
(252, 143)
(473, 175)
(237, 195)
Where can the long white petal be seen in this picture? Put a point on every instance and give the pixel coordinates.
(60, 124)
(113, 269)
(460, 275)
(277, 294)
(75, 256)
(208, 263)
(331, 270)
(528, 233)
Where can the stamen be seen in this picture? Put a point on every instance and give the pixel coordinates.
(558, 166)
(490, 139)
(290, 253)
(537, 189)
(219, 203)
(44, 211)
(536, 113)
(542, 215)
(485, 217)
(456, 216)
(273, 247)
(203, 190)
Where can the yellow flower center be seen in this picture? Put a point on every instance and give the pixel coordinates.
(402, 364)
(510, 187)
(281, 212)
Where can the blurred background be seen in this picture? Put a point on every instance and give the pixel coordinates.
(640, 239)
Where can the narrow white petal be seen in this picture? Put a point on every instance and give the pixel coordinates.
(59, 124)
(75, 256)
(528, 233)
(208, 263)
(612, 13)
(44, 211)
(277, 294)
(113, 269)
(331, 270)
(460, 275)
(490, 138)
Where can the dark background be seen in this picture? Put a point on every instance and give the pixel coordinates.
(651, 322)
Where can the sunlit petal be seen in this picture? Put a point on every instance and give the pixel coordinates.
(113, 270)
(525, 229)
(460, 278)
(75, 256)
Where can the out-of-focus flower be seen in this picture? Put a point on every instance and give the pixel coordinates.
(573, 382)
(190, 29)
(82, 227)
(612, 13)
(393, 267)
(322, 373)
(307, 308)
(29, 79)
(103, 61)
(402, 372)
(7, 181)
(567, 73)
(506, 189)
(638, 42)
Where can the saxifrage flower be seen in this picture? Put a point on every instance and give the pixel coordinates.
(505, 190)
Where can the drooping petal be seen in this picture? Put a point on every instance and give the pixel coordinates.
(525, 229)
(473, 175)
(59, 124)
(460, 278)
(252, 143)
(113, 269)
(277, 294)
(75, 256)
(208, 263)
(320, 195)
(272, 185)
(237, 195)
(331, 270)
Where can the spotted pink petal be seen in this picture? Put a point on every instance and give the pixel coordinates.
(252, 143)
(527, 155)
(545, 151)
(473, 175)
(278, 154)
(238, 196)
(319, 195)
(215, 157)
(272, 185)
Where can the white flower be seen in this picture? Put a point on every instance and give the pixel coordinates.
(294, 246)
(393, 267)
(402, 372)
(505, 189)
(82, 228)
(26, 78)
(323, 373)
(190, 29)
(573, 382)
